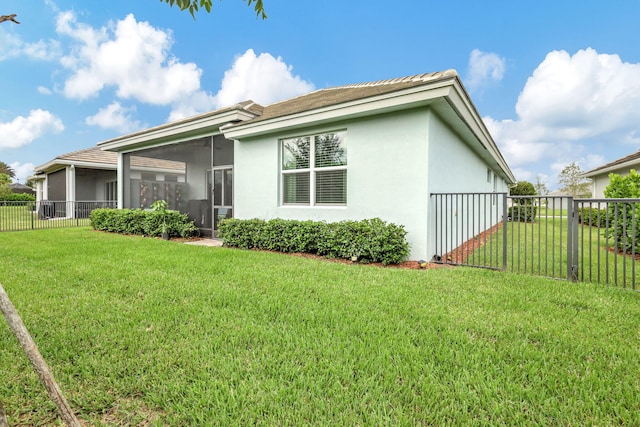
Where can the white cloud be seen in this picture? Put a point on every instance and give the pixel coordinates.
(261, 78)
(115, 116)
(131, 56)
(134, 59)
(484, 67)
(22, 171)
(568, 105)
(44, 90)
(23, 130)
(13, 47)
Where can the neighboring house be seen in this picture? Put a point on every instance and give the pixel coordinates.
(21, 189)
(352, 152)
(90, 175)
(600, 175)
(557, 200)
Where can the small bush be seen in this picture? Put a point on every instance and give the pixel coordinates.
(141, 222)
(370, 240)
(522, 213)
(624, 217)
(593, 217)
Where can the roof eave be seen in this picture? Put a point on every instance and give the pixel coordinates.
(58, 164)
(195, 127)
(612, 168)
(399, 100)
(449, 89)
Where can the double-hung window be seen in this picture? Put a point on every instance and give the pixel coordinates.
(314, 170)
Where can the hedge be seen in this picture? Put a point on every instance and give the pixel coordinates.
(18, 197)
(142, 222)
(522, 213)
(370, 240)
(593, 217)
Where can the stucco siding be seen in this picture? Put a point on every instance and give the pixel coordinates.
(600, 182)
(386, 175)
(455, 168)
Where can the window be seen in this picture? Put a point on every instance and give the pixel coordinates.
(314, 170)
(489, 175)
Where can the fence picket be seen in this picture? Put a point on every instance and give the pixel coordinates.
(589, 240)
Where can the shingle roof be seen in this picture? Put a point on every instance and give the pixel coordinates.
(340, 94)
(620, 161)
(99, 157)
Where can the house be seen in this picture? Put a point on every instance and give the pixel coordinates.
(90, 175)
(600, 175)
(367, 150)
(18, 188)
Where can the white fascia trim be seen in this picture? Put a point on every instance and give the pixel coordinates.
(51, 166)
(628, 164)
(408, 98)
(176, 132)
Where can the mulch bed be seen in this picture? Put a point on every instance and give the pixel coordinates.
(460, 254)
(406, 265)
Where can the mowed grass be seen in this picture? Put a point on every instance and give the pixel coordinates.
(540, 248)
(19, 216)
(140, 331)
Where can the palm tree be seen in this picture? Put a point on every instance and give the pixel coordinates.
(7, 170)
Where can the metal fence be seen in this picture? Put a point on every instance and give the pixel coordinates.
(18, 216)
(591, 240)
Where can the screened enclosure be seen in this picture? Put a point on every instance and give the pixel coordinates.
(194, 177)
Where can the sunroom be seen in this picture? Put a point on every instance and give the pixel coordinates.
(204, 191)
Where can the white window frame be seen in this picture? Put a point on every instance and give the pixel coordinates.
(312, 169)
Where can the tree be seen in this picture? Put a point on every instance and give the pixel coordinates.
(541, 186)
(195, 5)
(5, 190)
(522, 209)
(523, 188)
(573, 181)
(7, 170)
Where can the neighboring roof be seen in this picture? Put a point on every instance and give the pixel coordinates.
(96, 158)
(626, 161)
(21, 188)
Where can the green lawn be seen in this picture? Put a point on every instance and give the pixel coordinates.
(22, 216)
(140, 331)
(540, 248)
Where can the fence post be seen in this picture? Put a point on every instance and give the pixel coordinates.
(505, 218)
(572, 240)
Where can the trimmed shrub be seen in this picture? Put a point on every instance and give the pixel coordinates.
(522, 213)
(593, 217)
(624, 217)
(141, 222)
(243, 234)
(371, 240)
(18, 197)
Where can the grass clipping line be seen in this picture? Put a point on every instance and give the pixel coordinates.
(37, 361)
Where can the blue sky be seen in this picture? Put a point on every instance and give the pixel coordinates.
(554, 81)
